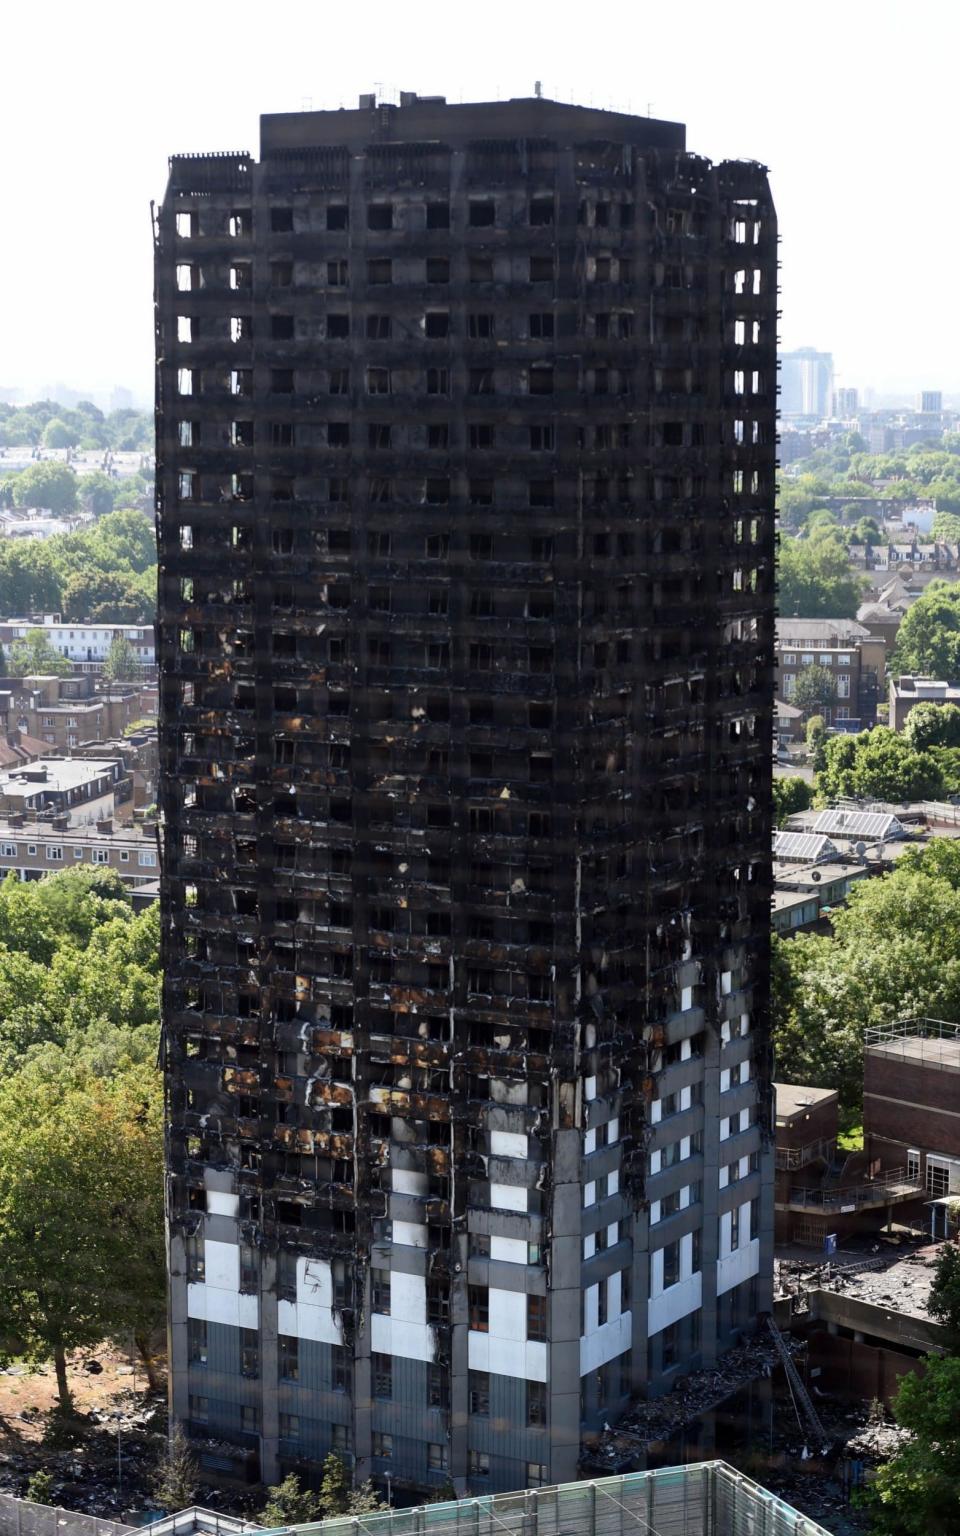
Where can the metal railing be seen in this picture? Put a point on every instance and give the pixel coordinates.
(932, 1031)
(25, 1517)
(704, 1499)
(798, 1157)
(899, 1184)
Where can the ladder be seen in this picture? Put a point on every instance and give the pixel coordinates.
(820, 1437)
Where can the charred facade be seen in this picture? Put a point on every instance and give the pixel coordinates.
(465, 465)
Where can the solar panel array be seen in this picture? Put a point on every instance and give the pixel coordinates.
(868, 825)
(805, 846)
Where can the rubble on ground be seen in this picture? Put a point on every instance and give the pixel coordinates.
(693, 1395)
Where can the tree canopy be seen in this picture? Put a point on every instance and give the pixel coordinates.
(103, 574)
(894, 952)
(789, 796)
(85, 427)
(932, 725)
(81, 1188)
(816, 579)
(813, 689)
(81, 1209)
(34, 656)
(48, 484)
(928, 640)
(122, 664)
(878, 764)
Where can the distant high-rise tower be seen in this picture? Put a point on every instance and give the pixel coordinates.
(846, 403)
(806, 378)
(930, 402)
(466, 437)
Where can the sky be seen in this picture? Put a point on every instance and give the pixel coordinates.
(850, 103)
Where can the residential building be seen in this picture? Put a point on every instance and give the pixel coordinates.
(67, 713)
(462, 412)
(806, 378)
(789, 723)
(807, 1127)
(906, 692)
(882, 621)
(86, 645)
(911, 1106)
(81, 790)
(930, 402)
(845, 649)
(33, 848)
(846, 403)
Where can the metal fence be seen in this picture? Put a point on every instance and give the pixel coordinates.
(706, 1499)
(23, 1517)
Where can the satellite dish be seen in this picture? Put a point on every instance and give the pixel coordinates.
(860, 849)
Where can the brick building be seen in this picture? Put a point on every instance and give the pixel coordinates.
(806, 1146)
(465, 413)
(854, 658)
(33, 848)
(67, 713)
(911, 1102)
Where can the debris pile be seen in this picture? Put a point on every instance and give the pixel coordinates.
(692, 1396)
(898, 1280)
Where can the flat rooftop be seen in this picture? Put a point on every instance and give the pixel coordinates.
(431, 119)
(930, 1053)
(55, 773)
(795, 1099)
(898, 1282)
(32, 831)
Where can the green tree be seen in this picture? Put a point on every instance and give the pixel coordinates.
(34, 656)
(878, 765)
(56, 434)
(365, 1500)
(288, 1503)
(917, 1492)
(177, 1474)
(789, 796)
(97, 492)
(68, 1254)
(943, 1302)
(122, 665)
(48, 485)
(894, 952)
(813, 689)
(816, 580)
(867, 531)
(817, 741)
(928, 640)
(335, 1486)
(40, 1486)
(932, 725)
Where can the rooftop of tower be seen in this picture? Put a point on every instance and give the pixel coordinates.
(432, 119)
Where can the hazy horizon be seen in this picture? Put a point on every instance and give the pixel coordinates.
(848, 106)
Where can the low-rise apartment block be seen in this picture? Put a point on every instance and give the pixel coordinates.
(82, 790)
(853, 657)
(65, 713)
(905, 692)
(86, 645)
(32, 849)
